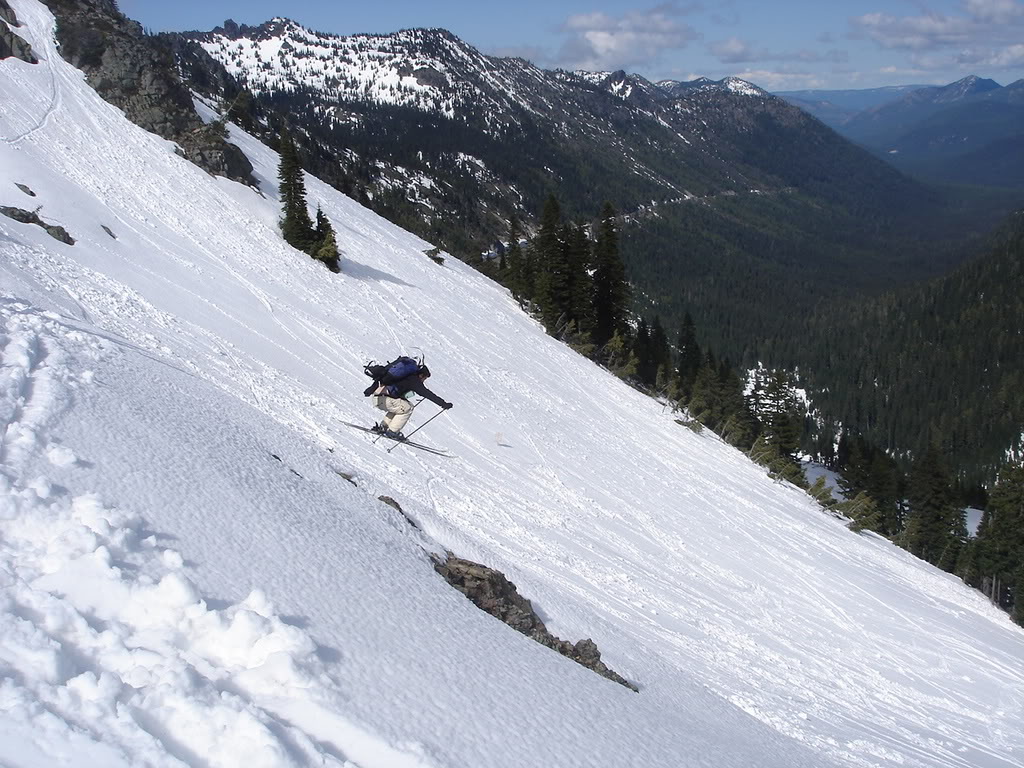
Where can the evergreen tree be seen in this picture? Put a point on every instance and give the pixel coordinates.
(821, 492)
(515, 276)
(324, 245)
(611, 290)
(705, 403)
(863, 512)
(739, 426)
(690, 358)
(1000, 540)
(296, 226)
(619, 356)
(552, 286)
(932, 520)
(581, 284)
(646, 368)
(883, 485)
(661, 355)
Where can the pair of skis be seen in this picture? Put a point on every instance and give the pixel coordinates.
(410, 443)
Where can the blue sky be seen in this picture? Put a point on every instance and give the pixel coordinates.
(781, 45)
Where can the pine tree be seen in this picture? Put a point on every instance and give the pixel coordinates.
(932, 519)
(611, 290)
(1000, 540)
(581, 284)
(324, 245)
(863, 512)
(821, 492)
(619, 356)
(883, 485)
(296, 226)
(646, 368)
(552, 294)
(689, 358)
(705, 404)
(515, 275)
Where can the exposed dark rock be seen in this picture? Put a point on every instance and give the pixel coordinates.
(31, 217)
(492, 592)
(394, 504)
(108, 231)
(7, 14)
(347, 476)
(11, 43)
(25, 189)
(137, 73)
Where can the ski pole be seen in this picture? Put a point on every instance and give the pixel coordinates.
(421, 426)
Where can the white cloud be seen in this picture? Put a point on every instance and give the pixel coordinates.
(915, 32)
(771, 80)
(734, 51)
(598, 41)
(986, 33)
(998, 11)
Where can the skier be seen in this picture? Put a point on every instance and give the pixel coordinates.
(393, 398)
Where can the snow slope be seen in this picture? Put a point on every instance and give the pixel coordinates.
(186, 578)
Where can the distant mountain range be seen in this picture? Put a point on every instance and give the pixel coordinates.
(836, 107)
(970, 131)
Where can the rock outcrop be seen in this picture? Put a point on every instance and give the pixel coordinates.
(11, 43)
(137, 73)
(492, 592)
(31, 217)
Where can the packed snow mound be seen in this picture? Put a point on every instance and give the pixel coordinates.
(187, 576)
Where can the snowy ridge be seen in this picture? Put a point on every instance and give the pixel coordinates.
(428, 69)
(186, 578)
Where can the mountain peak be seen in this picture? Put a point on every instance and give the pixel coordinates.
(967, 86)
(742, 87)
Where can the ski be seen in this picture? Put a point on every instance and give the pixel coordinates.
(410, 443)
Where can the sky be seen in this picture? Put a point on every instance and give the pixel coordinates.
(783, 45)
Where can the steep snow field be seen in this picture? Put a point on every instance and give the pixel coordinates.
(186, 578)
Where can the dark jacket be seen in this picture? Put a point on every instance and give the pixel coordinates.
(415, 384)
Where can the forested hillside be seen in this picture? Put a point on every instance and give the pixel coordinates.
(937, 362)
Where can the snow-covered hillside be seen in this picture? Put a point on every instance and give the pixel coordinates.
(186, 578)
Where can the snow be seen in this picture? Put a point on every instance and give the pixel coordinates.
(187, 578)
(742, 87)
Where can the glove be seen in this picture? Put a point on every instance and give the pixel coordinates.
(369, 390)
(446, 406)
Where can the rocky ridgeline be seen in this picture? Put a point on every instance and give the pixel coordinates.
(11, 43)
(492, 592)
(137, 73)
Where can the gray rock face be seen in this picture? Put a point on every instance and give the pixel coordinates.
(492, 592)
(7, 13)
(11, 44)
(31, 217)
(137, 73)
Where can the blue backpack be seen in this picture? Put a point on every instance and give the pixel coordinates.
(394, 371)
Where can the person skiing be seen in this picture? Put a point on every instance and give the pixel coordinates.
(393, 398)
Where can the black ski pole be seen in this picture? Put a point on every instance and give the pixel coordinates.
(421, 426)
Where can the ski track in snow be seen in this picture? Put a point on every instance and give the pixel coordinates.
(166, 399)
